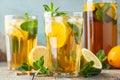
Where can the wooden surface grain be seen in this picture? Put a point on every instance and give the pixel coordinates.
(10, 75)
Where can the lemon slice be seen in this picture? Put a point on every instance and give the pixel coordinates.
(12, 28)
(36, 53)
(89, 56)
(89, 7)
(112, 12)
(60, 31)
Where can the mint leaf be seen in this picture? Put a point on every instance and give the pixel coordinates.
(101, 11)
(51, 6)
(39, 63)
(88, 70)
(99, 14)
(76, 32)
(54, 12)
(56, 9)
(30, 27)
(46, 8)
(102, 57)
(24, 67)
(58, 13)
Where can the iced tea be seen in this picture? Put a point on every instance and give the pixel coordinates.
(63, 34)
(20, 35)
(100, 26)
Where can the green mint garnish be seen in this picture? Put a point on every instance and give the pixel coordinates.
(88, 70)
(24, 67)
(102, 57)
(39, 66)
(54, 12)
(30, 26)
(76, 32)
(39, 63)
(101, 11)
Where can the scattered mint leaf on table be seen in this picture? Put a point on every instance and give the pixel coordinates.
(102, 57)
(24, 67)
(88, 70)
(39, 66)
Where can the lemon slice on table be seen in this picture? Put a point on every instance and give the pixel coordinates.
(59, 30)
(36, 53)
(89, 56)
(90, 64)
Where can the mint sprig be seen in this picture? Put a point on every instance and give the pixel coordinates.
(37, 65)
(88, 70)
(102, 57)
(101, 11)
(54, 12)
(76, 32)
(30, 26)
(24, 67)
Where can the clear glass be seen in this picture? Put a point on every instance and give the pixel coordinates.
(63, 36)
(21, 37)
(100, 31)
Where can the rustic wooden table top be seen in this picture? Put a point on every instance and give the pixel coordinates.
(10, 75)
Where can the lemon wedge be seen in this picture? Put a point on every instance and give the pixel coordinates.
(36, 53)
(89, 56)
(60, 30)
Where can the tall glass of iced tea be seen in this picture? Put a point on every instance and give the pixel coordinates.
(100, 18)
(20, 36)
(63, 36)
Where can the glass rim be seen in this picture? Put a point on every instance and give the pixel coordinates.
(17, 16)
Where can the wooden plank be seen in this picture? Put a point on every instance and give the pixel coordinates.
(104, 75)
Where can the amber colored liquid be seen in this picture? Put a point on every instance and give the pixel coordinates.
(18, 43)
(65, 58)
(100, 34)
(65, 61)
(21, 55)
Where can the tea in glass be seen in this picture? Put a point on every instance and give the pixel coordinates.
(63, 34)
(100, 29)
(21, 36)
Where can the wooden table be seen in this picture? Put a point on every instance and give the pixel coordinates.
(10, 75)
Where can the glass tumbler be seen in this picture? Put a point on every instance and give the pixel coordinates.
(63, 39)
(21, 37)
